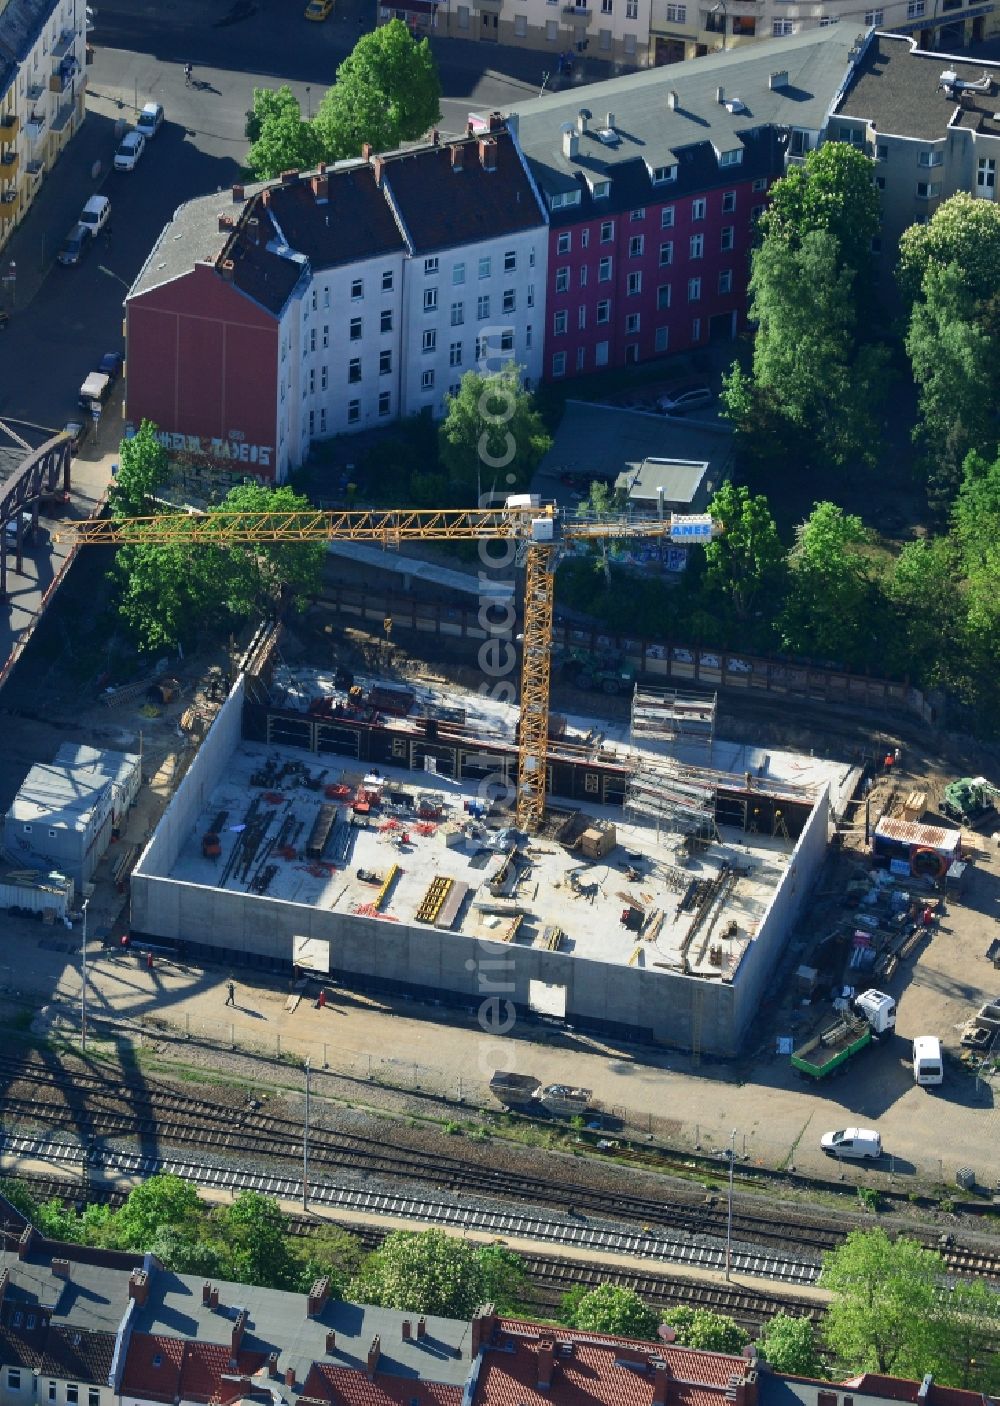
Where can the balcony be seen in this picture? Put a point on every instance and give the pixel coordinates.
(578, 15)
(9, 165)
(35, 92)
(9, 128)
(35, 126)
(65, 44)
(8, 206)
(63, 116)
(59, 82)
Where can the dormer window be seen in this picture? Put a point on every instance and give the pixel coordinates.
(662, 174)
(600, 190)
(731, 158)
(565, 197)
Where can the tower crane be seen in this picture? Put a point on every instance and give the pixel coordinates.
(541, 532)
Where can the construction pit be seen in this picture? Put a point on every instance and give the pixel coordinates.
(364, 833)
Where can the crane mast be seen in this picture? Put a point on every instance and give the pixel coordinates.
(543, 530)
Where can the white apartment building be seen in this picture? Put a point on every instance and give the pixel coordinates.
(616, 30)
(42, 88)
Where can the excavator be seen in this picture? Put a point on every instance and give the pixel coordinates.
(970, 800)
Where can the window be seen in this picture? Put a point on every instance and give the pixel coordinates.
(663, 174)
(581, 275)
(927, 190)
(531, 295)
(601, 354)
(324, 377)
(729, 202)
(354, 370)
(725, 281)
(632, 323)
(581, 316)
(385, 403)
(485, 267)
(731, 158)
(564, 243)
(560, 323)
(728, 237)
(458, 274)
(509, 300)
(483, 306)
(52, 1391)
(527, 336)
(312, 339)
(387, 281)
(312, 391)
(457, 314)
(760, 183)
(663, 296)
(881, 151)
(631, 9)
(666, 253)
(585, 239)
(72, 1393)
(427, 380)
(677, 14)
(94, 1395)
(604, 310)
(455, 354)
(314, 300)
(312, 423)
(559, 364)
(880, 182)
(430, 299)
(357, 290)
(662, 339)
(607, 7)
(986, 177)
(581, 357)
(696, 246)
(604, 270)
(430, 266)
(14, 1378)
(756, 213)
(510, 260)
(326, 334)
(696, 330)
(453, 389)
(600, 190)
(355, 329)
(607, 231)
(779, 28)
(694, 290)
(635, 246)
(634, 284)
(698, 209)
(875, 17)
(930, 158)
(914, 9)
(667, 217)
(385, 320)
(562, 280)
(430, 341)
(322, 430)
(639, 214)
(507, 340)
(482, 349)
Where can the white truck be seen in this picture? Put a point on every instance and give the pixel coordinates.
(24, 891)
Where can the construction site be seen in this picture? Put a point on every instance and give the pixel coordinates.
(364, 830)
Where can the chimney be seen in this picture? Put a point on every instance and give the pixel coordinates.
(457, 158)
(470, 127)
(238, 193)
(406, 1330)
(374, 1353)
(496, 122)
(225, 223)
(611, 121)
(673, 102)
(272, 1364)
(288, 178)
(331, 1341)
(435, 137)
(24, 1243)
(570, 143)
(582, 118)
(742, 1391)
(138, 1285)
(289, 1376)
(321, 167)
(488, 154)
(660, 1384)
(924, 1389)
(377, 166)
(421, 1326)
(239, 1328)
(321, 187)
(546, 1360)
(213, 1298)
(779, 79)
(319, 1297)
(60, 1268)
(366, 151)
(720, 95)
(206, 1293)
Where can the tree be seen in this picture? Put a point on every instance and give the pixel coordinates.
(254, 1231)
(387, 92)
(160, 1203)
(187, 1252)
(265, 575)
(789, 1345)
(965, 1343)
(280, 138)
(329, 1253)
(748, 560)
(142, 469)
(929, 639)
(610, 1309)
(492, 437)
(884, 1301)
(431, 1272)
(831, 587)
(16, 1192)
(963, 232)
(711, 1332)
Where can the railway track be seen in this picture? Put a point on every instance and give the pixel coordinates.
(161, 1117)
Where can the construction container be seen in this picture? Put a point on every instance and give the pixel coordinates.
(513, 1090)
(26, 891)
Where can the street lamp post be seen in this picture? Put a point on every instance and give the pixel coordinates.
(729, 1218)
(83, 987)
(305, 1145)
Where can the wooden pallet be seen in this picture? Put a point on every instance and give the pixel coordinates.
(433, 900)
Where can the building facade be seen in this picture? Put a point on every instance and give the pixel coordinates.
(42, 88)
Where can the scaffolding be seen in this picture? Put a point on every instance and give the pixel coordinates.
(673, 715)
(679, 799)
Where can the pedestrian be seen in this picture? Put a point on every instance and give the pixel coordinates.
(231, 998)
(187, 74)
(149, 961)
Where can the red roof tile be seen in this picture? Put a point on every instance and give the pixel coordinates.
(898, 1389)
(153, 1367)
(204, 1366)
(345, 1386)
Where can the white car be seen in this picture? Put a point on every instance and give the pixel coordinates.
(150, 120)
(132, 146)
(861, 1144)
(684, 398)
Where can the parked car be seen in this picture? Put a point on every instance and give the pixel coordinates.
(96, 213)
(79, 432)
(860, 1144)
(110, 365)
(133, 144)
(318, 9)
(684, 398)
(74, 246)
(150, 120)
(94, 391)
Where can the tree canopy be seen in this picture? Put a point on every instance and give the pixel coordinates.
(830, 583)
(610, 1308)
(748, 558)
(789, 1345)
(387, 92)
(712, 1332)
(492, 437)
(143, 467)
(431, 1272)
(281, 139)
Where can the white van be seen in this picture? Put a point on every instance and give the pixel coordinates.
(928, 1062)
(861, 1144)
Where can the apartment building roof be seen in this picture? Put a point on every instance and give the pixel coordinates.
(159, 1367)
(608, 440)
(337, 216)
(868, 1389)
(461, 192)
(21, 22)
(193, 235)
(342, 1386)
(661, 116)
(87, 1296)
(898, 88)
